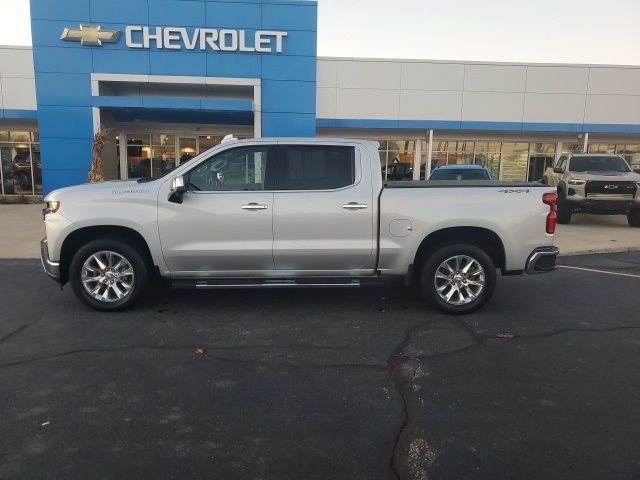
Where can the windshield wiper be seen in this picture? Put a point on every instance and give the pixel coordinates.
(146, 179)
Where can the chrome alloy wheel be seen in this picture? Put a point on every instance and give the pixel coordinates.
(459, 280)
(107, 276)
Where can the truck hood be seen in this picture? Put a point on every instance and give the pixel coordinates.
(94, 191)
(607, 176)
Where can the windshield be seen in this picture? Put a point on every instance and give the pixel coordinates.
(459, 174)
(598, 164)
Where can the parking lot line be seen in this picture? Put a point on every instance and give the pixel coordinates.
(599, 271)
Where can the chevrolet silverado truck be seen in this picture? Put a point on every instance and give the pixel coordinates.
(285, 213)
(595, 183)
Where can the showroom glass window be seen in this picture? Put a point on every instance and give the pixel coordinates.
(302, 167)
(631, 153)
(541, 157)
(21, 172)
(238, 169)
(396, 159)
(150, 155)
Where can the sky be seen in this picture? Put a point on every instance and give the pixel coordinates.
(543, 31)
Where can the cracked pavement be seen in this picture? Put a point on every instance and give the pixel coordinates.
(324, 384)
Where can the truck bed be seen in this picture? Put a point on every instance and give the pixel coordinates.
(459, 184)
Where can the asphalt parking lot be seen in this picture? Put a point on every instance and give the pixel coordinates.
(325, 384)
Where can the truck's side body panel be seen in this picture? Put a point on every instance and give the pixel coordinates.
(515, 214)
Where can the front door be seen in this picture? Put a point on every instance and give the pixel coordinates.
(323, 211)
(224, 225)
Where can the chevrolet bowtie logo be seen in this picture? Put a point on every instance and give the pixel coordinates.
(90, 35)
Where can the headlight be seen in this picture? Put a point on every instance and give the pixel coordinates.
(52, 207)
(574, 181)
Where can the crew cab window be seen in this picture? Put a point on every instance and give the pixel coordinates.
(239, 169)
(562, 163)
(322, 167)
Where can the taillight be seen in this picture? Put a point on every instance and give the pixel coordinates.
(551, 199)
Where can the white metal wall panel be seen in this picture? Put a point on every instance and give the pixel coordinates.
(367, 103)
(17, 84)
(326, 102)
(366, 74)
(492, 106)
(494, 78)
(19, 93)
(435, 105)
(16, 62)
(623, 109)
(327, 73)
(432, 76)
(553, 108)
(614, 81)
(549, 79)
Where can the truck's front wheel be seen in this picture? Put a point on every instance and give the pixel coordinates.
(108, 274)
(458, 279)
(633, 217)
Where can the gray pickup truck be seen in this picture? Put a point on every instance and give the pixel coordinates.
(284, 213)
(597, 184)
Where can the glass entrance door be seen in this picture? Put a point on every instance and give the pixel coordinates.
(187, 148)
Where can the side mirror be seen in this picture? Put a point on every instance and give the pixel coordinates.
(177, 190)
(557, 170)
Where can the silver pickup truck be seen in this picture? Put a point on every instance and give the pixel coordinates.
(295, 213)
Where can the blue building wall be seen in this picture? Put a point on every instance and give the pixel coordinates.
(63, 69)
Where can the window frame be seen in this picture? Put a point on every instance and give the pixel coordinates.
(356, 159)
(269, 176)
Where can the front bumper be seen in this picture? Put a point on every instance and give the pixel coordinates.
(50, 268)
(542, 260)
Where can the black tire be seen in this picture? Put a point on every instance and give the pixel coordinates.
(564, 211)
(126, 251)
(435, 260)
(633, 217)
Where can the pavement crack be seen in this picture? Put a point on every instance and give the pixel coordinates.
(560, 331)
(12, 334)
(210, 350)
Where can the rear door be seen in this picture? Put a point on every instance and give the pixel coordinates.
(323, 210)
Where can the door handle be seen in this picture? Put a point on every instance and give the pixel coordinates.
(355, 206)
(254, 206)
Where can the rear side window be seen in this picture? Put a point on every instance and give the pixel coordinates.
(322, 167)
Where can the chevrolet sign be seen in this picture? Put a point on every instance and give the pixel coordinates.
(91, 35)
(179, 38)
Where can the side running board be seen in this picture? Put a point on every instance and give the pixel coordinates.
(233, 283)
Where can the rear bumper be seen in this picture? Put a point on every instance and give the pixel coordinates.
(50, 268)
(589, 205)
(542, 260)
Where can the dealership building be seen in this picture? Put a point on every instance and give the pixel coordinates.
(168, 79)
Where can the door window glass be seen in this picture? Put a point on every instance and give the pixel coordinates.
(302, 167)
(240, 169)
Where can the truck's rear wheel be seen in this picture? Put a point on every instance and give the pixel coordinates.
(633, 217)
(108, 274)
(458, 279)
